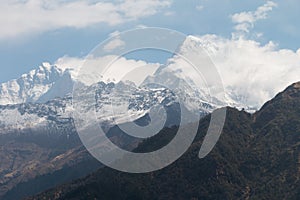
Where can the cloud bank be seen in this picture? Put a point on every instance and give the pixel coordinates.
(107, 68)
(18, 17)
(253, 72)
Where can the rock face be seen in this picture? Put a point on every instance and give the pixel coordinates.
(257, 157)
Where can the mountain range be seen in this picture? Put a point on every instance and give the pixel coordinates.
(257, 157)
(49, 81)
(41, 148)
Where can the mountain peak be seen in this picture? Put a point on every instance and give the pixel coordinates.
(46, 65)
(32, 86)
(292, 91)
(290, 95)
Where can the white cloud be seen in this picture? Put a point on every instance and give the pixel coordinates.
(199, 7)
(116, 43)
(67, 62)
(90, 70)
(20, 17)
(251, 70)
(245, 20)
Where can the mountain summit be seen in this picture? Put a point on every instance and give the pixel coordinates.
(39, 85)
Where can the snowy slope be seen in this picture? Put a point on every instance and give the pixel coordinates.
(35, 115)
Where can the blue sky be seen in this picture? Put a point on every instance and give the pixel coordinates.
(35, 31)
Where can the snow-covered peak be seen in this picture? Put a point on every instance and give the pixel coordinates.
(210, 50)
(32, 86)
(46, 65)
(196, 44)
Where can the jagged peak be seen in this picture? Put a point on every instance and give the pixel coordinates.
(31, 86)
(45, 66)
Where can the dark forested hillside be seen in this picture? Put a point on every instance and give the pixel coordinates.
(257, 157)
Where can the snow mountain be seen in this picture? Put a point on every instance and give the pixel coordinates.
(115, 102)
(50, 81)
(39, 85)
